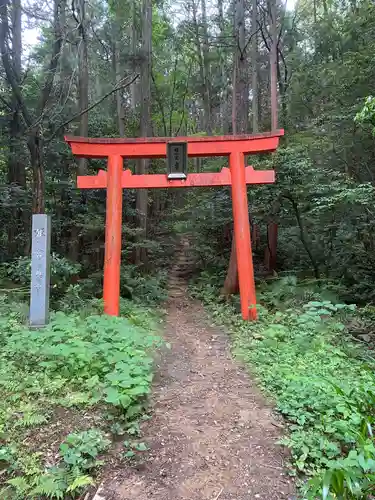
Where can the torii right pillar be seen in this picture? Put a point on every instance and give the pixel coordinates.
(242, 236)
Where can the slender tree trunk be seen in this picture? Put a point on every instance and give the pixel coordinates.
(206, 70)
(203, 68)
(274, 71)
(145, 122)
(118, 99)
(134, 41)
(242, 77)
(117, 74)
(224, 122)
(35, 145)
(273, 66)
(254, 67)
(231, 283)
(240, 111)
(270, 254)
(16, 164)
(303, 236)
(83, 103)
(83, 81)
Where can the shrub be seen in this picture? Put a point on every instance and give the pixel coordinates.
(322, 382)
(78, 361)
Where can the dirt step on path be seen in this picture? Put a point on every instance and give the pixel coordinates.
(212, 435)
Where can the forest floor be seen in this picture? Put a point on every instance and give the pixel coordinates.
(212, 435)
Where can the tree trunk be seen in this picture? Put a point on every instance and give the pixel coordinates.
(202, 62)
(273, 66)
(83, 82)
(254, 67)
(118, 99)
(224, 122)
(16, 164)
(240, 111)
(83, 103)
(270, 254)
(231, 284)
(35, 145)
(116, 70)
(303, 236)
(145, 124)
(206, 70)
(241, 73)
(134, 40)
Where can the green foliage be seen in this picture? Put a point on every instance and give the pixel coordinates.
(132, 447)
(81, 449)
(322, 383)
(352, 476)
(105, 357)
(367, 113)
(64, 293)
(143, 288)
(78, 361)
(56, 482)
(62, 270)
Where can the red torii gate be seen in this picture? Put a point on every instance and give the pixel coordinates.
(115, 179)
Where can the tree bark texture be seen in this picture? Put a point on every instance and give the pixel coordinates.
(224, 121)
(254, 67)
(202, 54)
(241, 70)
(145, 123)
(16, 167)
(240, 112)
(83, 79)
(273, 66)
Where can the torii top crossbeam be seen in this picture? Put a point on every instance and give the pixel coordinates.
(156, 147)
(115, 179)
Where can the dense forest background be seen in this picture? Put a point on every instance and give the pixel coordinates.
(134, 68)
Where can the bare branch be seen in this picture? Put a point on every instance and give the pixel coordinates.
(105, 48)
(6, 103)
(251, 37)
(160, 104)
(184, 99)
(11, 77)
(51, 71)
(73, 8)
(261, 26)
(120, 85)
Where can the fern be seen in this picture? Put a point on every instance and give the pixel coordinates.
(49, 485)
(80, 482)
(20, 484)
(32, 419)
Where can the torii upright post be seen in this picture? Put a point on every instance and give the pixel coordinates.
(115, 179)
(242, 236)
(112, 253)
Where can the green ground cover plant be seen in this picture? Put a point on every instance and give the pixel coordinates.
(322, 381)
(67, 390)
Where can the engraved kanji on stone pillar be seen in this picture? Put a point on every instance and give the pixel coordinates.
(40, 270)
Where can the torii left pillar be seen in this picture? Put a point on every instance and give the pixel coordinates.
(113, 226)
(115, 180)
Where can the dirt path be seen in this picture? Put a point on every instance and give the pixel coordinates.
(212, 436)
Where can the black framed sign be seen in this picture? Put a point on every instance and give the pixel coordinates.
(177, 160)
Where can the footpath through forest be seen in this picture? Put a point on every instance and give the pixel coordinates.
(212, 435)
